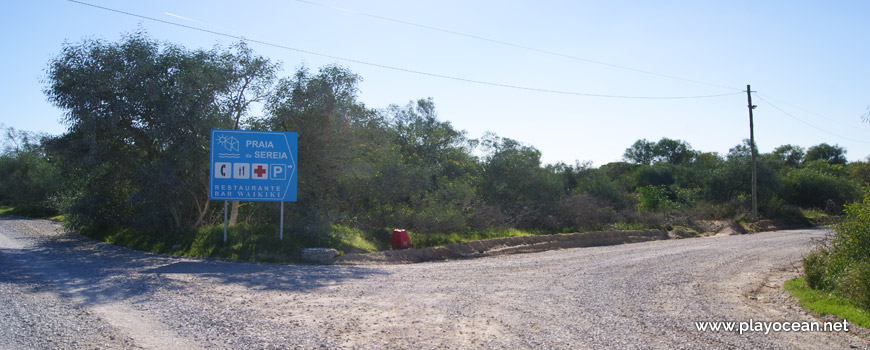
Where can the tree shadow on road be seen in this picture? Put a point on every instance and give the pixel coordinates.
(96, 273)
(267, 276)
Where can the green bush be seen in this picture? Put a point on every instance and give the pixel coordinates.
(653, 198)
(812, 188)
(826, 303)
(852, 241)
(352, 240)
(855, 284)
(816, 269)
(33, 211)
(596, 184)
(776, 208)
(435, 216)
(842, 265)
(28, 182)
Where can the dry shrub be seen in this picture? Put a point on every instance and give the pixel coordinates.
(487, 216)
(583, 211)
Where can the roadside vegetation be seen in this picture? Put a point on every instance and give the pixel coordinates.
(836, 277)
(132, 167)
(827, 303)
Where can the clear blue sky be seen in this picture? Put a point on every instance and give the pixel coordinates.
(807, 59)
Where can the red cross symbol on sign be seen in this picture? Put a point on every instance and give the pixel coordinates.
(260, 171)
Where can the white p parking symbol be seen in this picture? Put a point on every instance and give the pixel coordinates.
(278, 171)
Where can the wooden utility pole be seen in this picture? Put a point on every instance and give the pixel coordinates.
(752, 150)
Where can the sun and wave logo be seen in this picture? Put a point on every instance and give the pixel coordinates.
(229, 143)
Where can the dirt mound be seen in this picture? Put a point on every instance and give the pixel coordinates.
(718, 228)
(500, 246)
(775, 225)
(531, 244)
(677, 233)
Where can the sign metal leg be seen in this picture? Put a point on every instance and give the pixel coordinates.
(225, 221)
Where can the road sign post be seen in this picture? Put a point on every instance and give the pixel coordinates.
(253, 166)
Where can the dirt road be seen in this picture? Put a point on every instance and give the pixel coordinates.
(59, 290)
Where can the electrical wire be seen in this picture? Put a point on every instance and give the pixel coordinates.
(808, 111)
(405, 70)
(505, 43)
(806, 123)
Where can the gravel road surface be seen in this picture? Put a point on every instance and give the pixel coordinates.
(59, 290)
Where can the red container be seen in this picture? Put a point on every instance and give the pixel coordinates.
(400, 239)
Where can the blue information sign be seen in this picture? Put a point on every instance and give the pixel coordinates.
(252, 166)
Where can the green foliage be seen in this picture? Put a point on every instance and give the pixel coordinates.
(731, 181)
(36, 212)
(855, 283)
(27, 179)
(664, 151)
(595, 183)
(441, 239)
(821, 166)
(322, 108)
(852, 242)
(860, 171)
(825, 303)
(842, 265)
(786, 213)
(790, 155)
(830, 154)
(661, 174)
(513, 179)
(641, 152)
(244, 242)
(512, 173)
(628, 226)
(816, 266)
(429, 172)
(813, 213)
(809, 187)
(584, 212)
(653, 198)
(621, 175)
(674, 151)
(352, 240)
(134, 160)
(139, 115)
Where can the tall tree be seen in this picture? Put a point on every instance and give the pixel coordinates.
(139, 115)
(514, 180)
(791, 155)
(831, 154)
(433, 167)
(324, 110)
(665, 150)
(673, 151)
(251, 78)
(641, 152)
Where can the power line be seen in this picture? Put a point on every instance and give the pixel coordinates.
(519, 46)
(808, 111)
(405, 70)
(808, 124)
